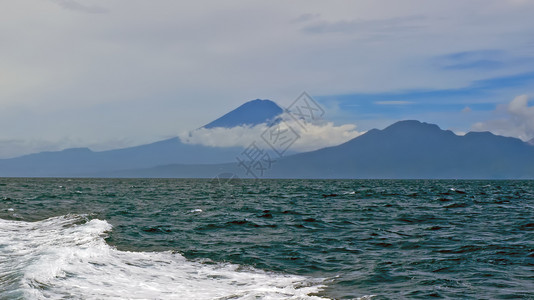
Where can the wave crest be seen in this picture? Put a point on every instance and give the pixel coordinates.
(67, 256)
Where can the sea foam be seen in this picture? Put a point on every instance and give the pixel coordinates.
(68, 257)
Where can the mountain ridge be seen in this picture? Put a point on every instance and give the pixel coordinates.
(85, 162)
(403, 150)
(412, 149)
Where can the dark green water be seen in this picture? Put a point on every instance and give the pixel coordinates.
(350, 238)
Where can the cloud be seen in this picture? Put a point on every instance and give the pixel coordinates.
(305, 18)
(154, 68)
(479, 59)
(77, 6)
(516, 120)
(308, 138)
(382, 26)
(393, 102)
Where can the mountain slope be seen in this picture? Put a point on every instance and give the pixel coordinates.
(411, 149)
(404, 150)
(251, 113)
(82, 161)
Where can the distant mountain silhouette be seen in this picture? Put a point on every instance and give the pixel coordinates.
(411, 149)
(531, 142)
(404, 150)
(83, 162)
(251, 113)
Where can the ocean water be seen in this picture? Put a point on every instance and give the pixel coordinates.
(266, 239)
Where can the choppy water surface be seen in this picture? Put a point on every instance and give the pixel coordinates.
(272, 239)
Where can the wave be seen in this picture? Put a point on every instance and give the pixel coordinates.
(67, 257)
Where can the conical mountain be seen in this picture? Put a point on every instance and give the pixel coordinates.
(84, 162)
(249, 114)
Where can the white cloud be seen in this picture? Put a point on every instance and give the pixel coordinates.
(516, 119)
(310, 137)
(393, 102)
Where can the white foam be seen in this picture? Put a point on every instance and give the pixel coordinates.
(67, 257)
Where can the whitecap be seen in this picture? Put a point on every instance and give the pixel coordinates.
(67, 257)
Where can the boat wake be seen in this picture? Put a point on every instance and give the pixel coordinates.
(67, 257)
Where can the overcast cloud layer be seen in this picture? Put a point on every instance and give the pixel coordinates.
(107, 74)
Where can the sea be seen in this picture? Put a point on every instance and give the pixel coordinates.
(73, 238)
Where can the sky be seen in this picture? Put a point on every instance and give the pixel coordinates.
(110, 74)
